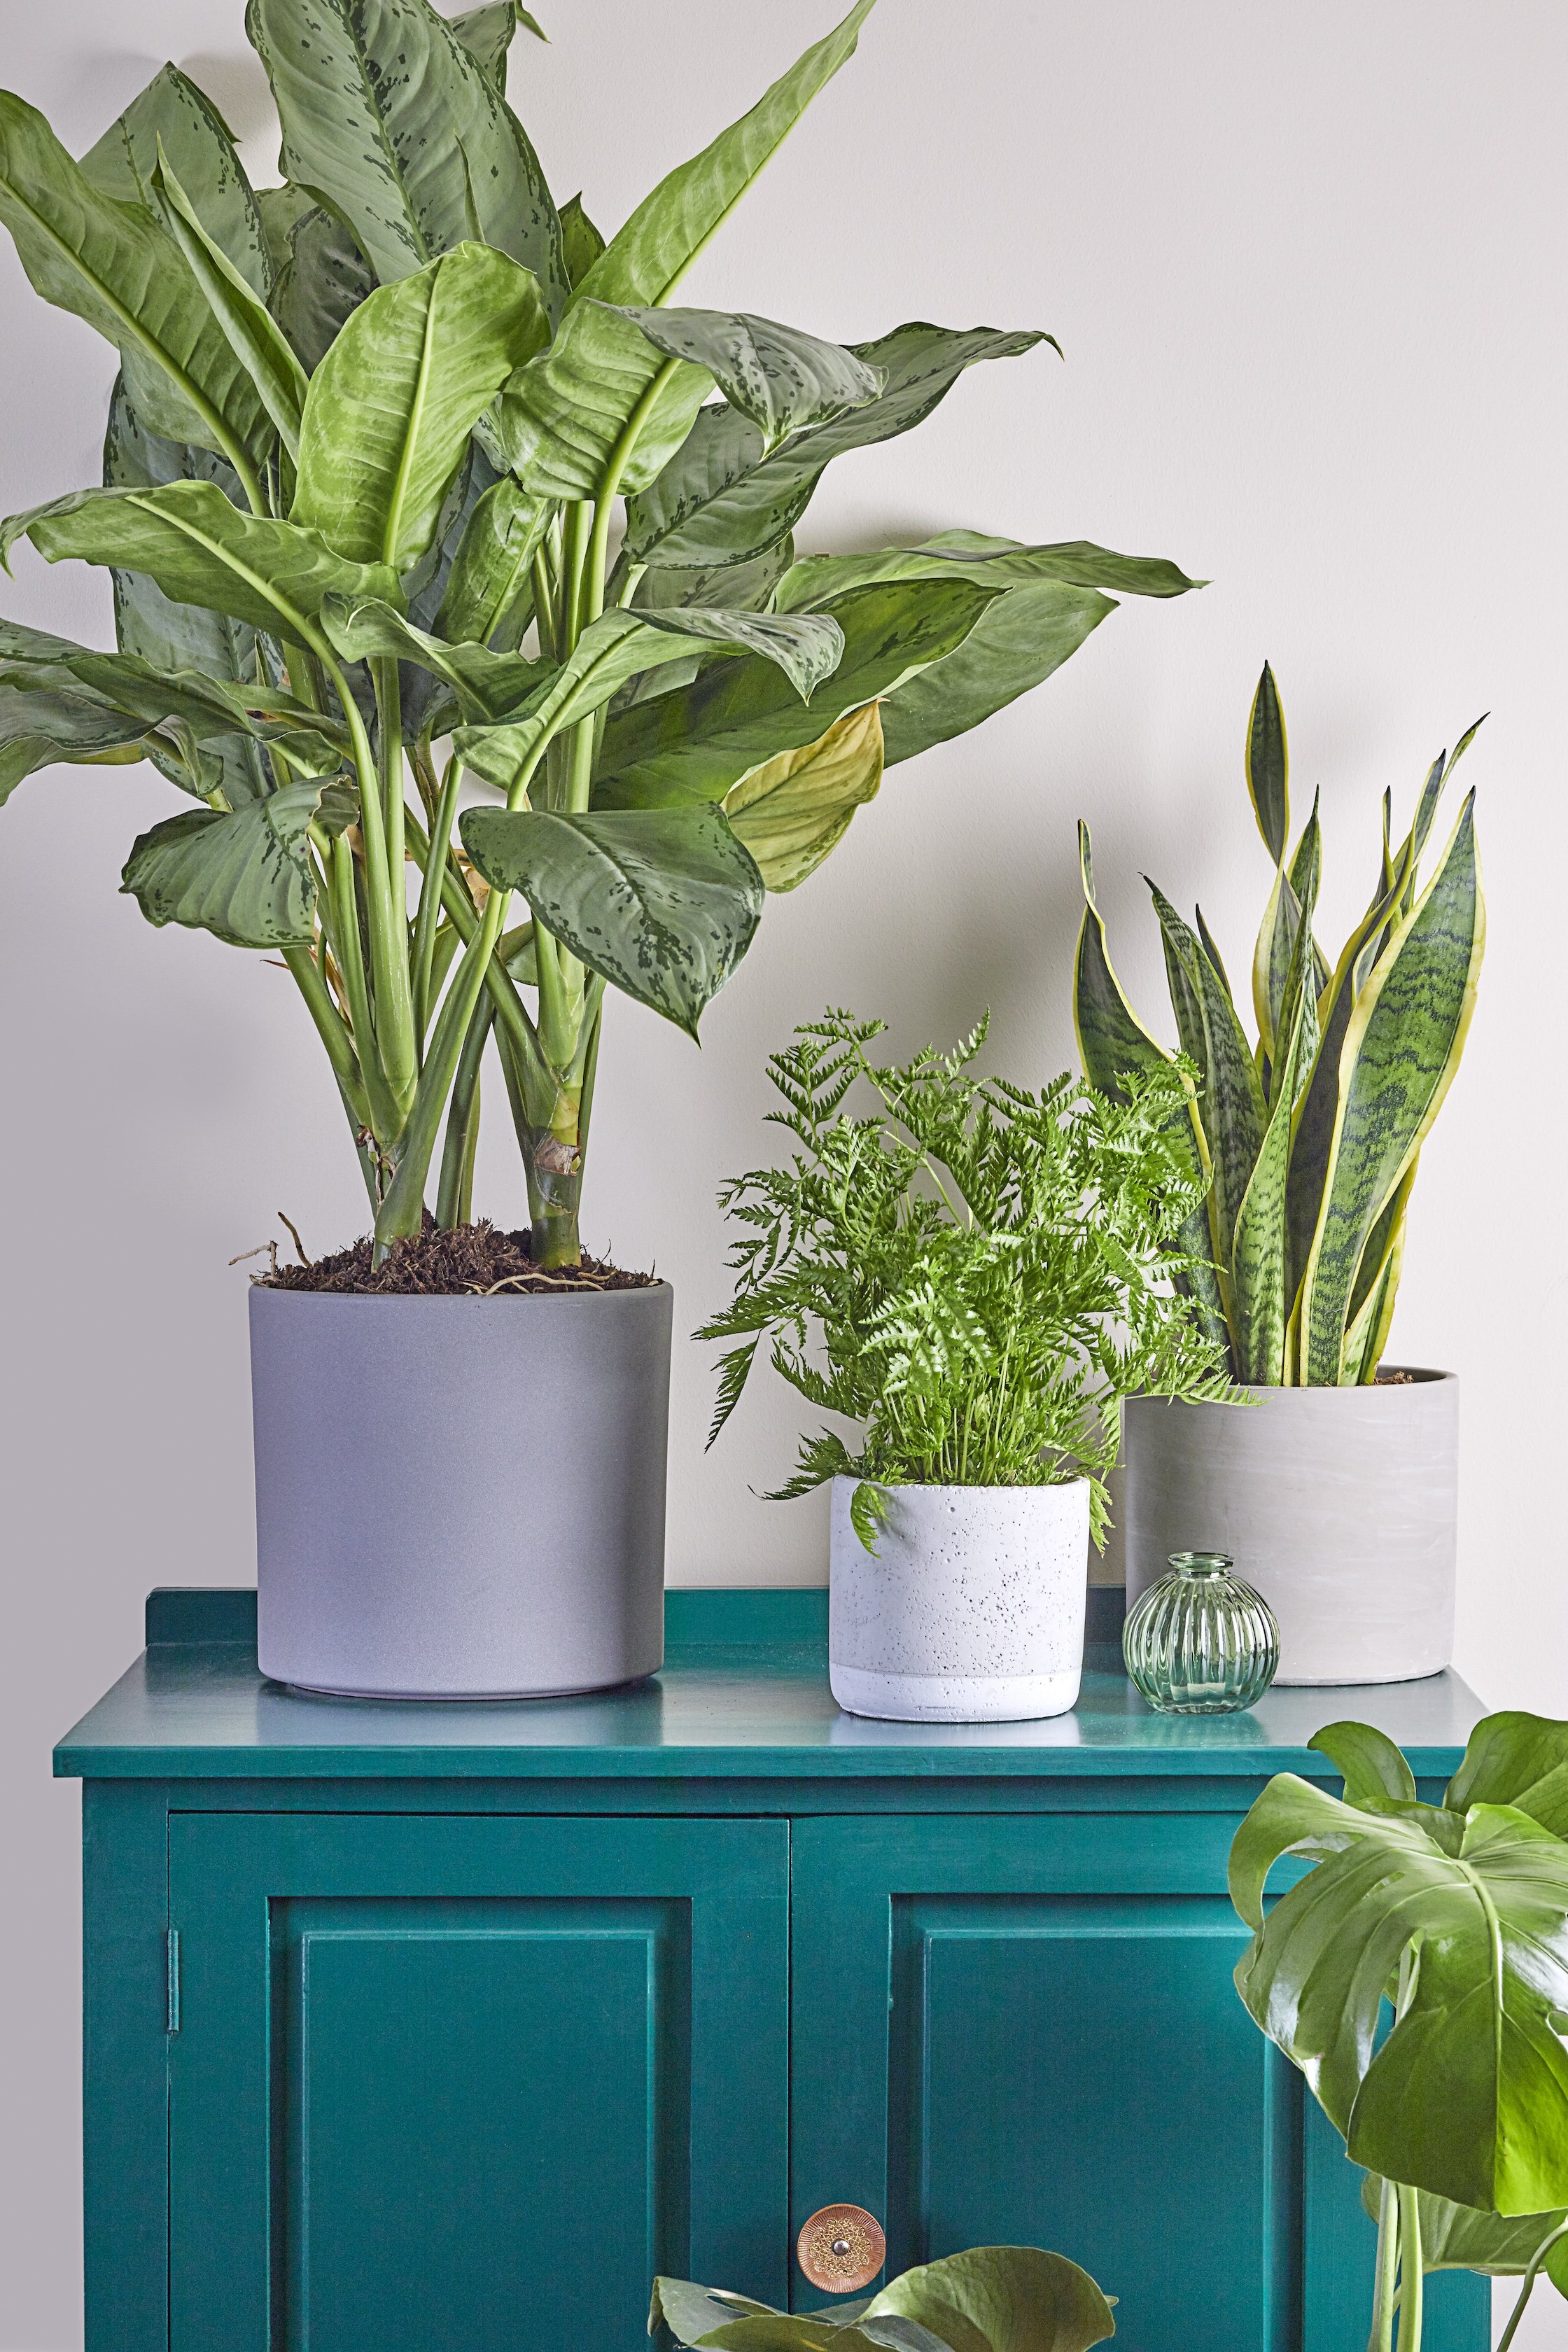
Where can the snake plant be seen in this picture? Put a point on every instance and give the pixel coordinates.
(1310, 1139)
(440, 537)
(1457, 1916)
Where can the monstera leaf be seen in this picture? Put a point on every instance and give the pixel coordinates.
(987, 2299)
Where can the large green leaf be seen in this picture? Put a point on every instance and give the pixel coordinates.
(201, 550)
(208, 707)
(564, 417)
(1401, 1050)
(392, 405)
(386, 113)
(492, 567)
(662, 902)
(977, 555)
(784, 381)
(487, 685)
(200, 147)
(246, 877)
(1459, 2238)
(1112, 1042)
(795, 809)
(647, 259)
(43, 727)
(257, 341)
(999, 2299)
(738, 587)
(725, 497)
(1517, 1760)
(487, 34)
(114, 266)
(798, 649)
(693, 744)
(321, 278)
(1468, 2097)
(580, 242)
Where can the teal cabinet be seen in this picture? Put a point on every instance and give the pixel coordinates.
(441, 2030)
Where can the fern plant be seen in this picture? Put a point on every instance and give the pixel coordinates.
(974, 1275)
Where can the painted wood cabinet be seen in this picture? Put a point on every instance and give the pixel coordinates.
(441, 2030)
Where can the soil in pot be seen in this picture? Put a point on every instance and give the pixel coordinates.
(444, 1262)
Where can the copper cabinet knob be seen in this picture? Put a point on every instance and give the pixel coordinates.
(841, 2249)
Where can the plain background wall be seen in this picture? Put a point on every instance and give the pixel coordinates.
(1306, 268)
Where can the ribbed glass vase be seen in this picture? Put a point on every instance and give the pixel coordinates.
(1200, 1640)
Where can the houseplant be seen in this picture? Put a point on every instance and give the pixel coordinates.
(371, 436)
(1337, 1496)
(1457, 1916)
(976, 1276)
(986, 2299)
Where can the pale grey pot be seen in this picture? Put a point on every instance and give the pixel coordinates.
(971, 1609)
(460, 1497)
(1339, 1505)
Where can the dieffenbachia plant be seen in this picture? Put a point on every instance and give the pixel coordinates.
(403, 457)
(1457, 1916)
(986, 2299)
(1311, 1139)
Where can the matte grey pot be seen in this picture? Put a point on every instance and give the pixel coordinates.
(1339, 1505)
(460, 1497)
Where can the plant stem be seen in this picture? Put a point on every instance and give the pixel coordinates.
(1382, 2336)
(333, 1030)
(462, 1124)
(403, 1206)
(386, 907)
(430, 915)
(1530, 2275)
(386, 1118)
(1412, 2277)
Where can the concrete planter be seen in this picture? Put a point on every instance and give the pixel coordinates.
(972, 1610)
(460, 1497)
(1339, 1505)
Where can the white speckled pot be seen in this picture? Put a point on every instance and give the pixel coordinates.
(1340, 1505)
(972, 1610)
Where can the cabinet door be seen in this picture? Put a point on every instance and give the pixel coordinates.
(1024, 2030)
(449, 2084)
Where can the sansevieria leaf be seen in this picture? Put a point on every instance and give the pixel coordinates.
(1233, 1109)
(792, 810)
(1269, 767)
(246, 877)
(663, 902)
(1402, 1048)
(391, 407)
(647, 259)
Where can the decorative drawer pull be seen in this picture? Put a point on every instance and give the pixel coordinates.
(841, 2249)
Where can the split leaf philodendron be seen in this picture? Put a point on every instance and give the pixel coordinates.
(404, 456)
(1455, 1916)
(986, 2299)
(1310, 1138)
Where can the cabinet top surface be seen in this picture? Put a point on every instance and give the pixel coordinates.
(742, 1695)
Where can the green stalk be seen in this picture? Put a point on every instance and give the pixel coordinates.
(1530, 2275)
(331, 1029)
(430, 915)
(387, 917)
(1382, 2336)
(452, 1208)
(386, 1118)
(403, 1206)
(1412, 2277)
(511, 1011)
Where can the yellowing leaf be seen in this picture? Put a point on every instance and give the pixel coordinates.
(795, 808)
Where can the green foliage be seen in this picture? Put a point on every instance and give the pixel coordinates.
(373, 435)
(986, 2299)
(974, 1275)
(1457, 1916)
(1312, 1135)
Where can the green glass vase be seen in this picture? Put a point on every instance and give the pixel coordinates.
(1200, 1640)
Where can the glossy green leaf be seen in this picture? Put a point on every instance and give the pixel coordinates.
(1113, 1041)
(724, 498)
(385, 110)
(1402, 1048)
(208, 707)
(1516, 1759)
(647, 259)
(793, 811)
(563, 420)
(246, 877)
(114, 266)
(1468, 2096)
(201, 550)
(1000, 2299)
(1460, 2238)
(580, 242)
(321, 282)
(257, 341)
(737, 587)
(695, 743)
(690, 2311)
(662, 902)
(492, 569)
(798, 649)
(1016, 643)
(997, 562)
(392, 405)
(200, 147)
(1269, 767)
(487, 685)
(43, 727)
(1372, 1765)
(487, 34)
(784, 381)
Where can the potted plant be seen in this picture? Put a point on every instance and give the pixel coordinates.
(374, 437)
(973, 1276)
(1337, 1495)
(1456, 1915)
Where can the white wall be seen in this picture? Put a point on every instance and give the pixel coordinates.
(1307, 266)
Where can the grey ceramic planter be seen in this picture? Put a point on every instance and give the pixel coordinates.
(460, 1497)
(1339, 1505)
